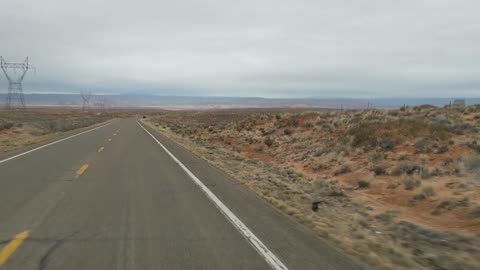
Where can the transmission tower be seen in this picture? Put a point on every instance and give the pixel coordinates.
(15, 93)
(86, 96)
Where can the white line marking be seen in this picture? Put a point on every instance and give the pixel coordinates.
(269, 257)
(52, 143)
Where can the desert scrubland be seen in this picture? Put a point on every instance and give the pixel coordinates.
(399, 189)
(19, 128)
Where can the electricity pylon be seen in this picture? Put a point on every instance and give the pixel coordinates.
(15, 93)
(86, 96)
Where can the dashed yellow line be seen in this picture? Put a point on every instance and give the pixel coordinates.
(82, 170)
(100, 149)
(10, 248)
(109, 139)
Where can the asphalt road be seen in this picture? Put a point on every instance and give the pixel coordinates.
(113, 198)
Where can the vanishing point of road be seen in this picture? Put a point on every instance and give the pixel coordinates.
(121, 196)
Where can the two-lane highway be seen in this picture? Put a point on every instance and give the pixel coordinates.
(124, 197)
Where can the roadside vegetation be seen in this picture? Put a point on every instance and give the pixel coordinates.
(398, 188)
(19, 128)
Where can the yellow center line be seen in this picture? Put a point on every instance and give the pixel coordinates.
(100, 149)
(10, 248)
(82, 170)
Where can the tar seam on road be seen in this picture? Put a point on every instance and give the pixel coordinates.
(10, 248)
(269, 257)
(52, 143)
(82, 170)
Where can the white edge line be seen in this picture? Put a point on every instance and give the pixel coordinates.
(269, 257)
(52, 143)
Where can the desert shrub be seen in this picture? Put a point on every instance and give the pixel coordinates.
(473, 145)
(392, 185)
(320, 152)
(344, 169)
(287, 131)
(386, 144)
(473, 164)
(411, 184)
(379, 170)
(387, 216)
(308, 125)
(424, 242)
(425, 193)
(362, 135)
(319, 167)
(259, 148)
(292, 121)
(450, 204)
(474, 213)
(425, 173)
(337, 193)
(375, 156)
(459, 129)
(442, 149)
(6, 125)
(425, 145)
(370, 134)
(268, 141)
(424, 107)
(363, 184)
(428, 191)
(415, 127)
(407, 168)
(393, 113)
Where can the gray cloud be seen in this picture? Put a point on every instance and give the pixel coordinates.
(361, 48)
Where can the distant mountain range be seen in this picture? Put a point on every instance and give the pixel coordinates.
(196, 102)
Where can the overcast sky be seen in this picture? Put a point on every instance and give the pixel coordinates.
(278, 48)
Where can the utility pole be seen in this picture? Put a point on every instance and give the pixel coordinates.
(15, 92)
